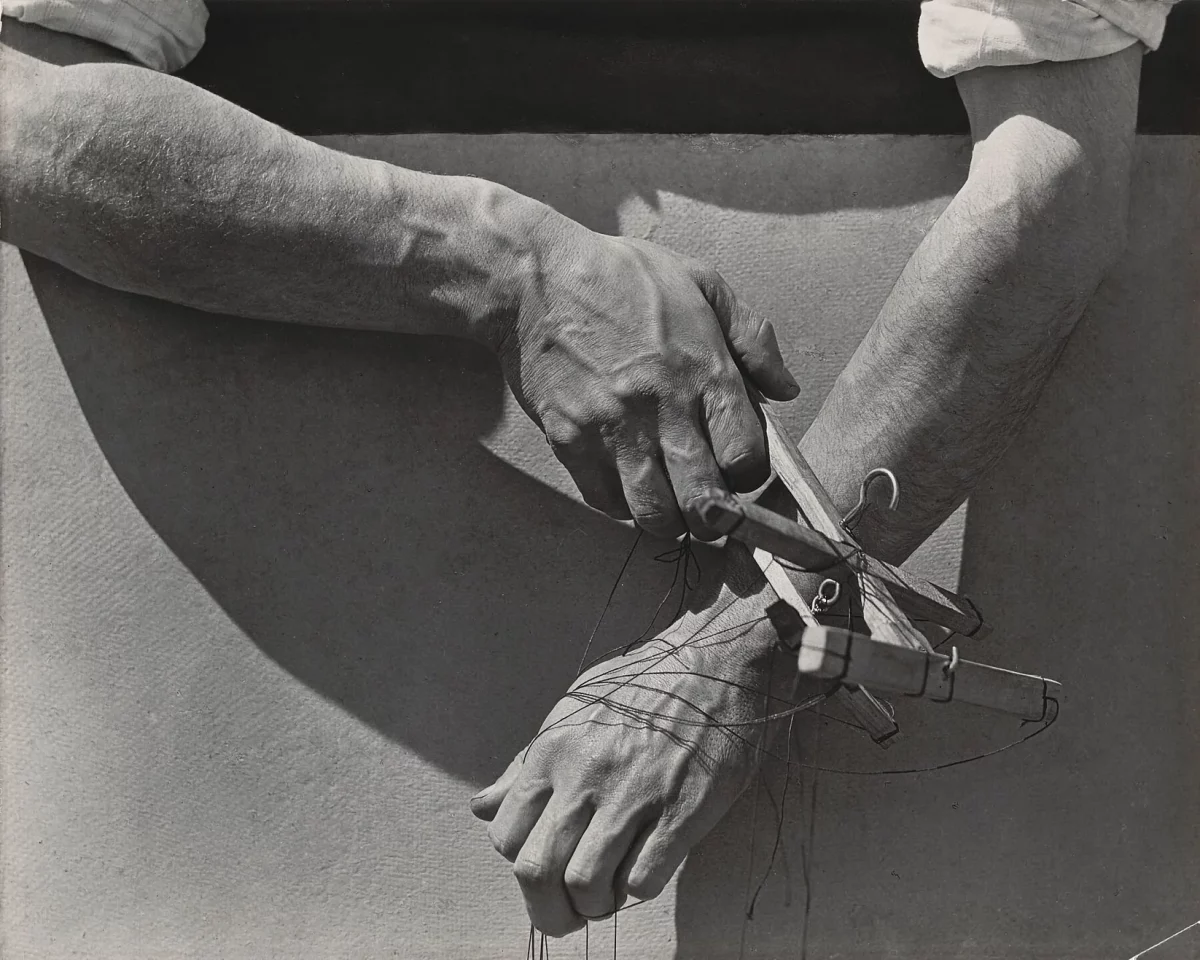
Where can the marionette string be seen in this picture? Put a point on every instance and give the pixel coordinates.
(642, 665)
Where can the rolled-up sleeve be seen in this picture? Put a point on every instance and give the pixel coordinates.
(161, 34)
(958, 35)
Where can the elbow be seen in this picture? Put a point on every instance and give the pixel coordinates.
(1060, 192)
(27, 104)
(1087, 204)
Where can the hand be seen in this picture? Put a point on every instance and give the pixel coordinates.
(631, 359)
(612, 794)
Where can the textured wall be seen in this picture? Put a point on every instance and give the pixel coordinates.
(277, 601)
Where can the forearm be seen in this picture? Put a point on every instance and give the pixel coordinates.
(969, 335)
(965, 342)
(146, 183)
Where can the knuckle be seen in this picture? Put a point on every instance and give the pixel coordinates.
(639, 388)
(603, 501)
(607, 416)
(532, 873)
(645, 884)
(744, 455)
(503, 845)
(706, 274)
(720, 373)
(746, 464)
(580, 881)
(659, 520)
(565, 437)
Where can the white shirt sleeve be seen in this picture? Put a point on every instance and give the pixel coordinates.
(958, 35)
(161, 34)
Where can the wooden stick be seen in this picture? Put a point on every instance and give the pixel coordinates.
(879, 724)
(853, 658)
(883, 615)
(812, 551)
(817, 507)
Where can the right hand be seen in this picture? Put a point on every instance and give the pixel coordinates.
(631, 359)
(631, 769)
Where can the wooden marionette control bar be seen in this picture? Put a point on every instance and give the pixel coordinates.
(837, 654)
(813, 551)
(883, 615)
(894, 658)
(789, 617)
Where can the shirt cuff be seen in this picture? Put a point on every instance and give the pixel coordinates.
(959, 35)
(161, 34)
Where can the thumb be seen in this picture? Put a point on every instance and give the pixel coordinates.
(751, 339)
(486, 803)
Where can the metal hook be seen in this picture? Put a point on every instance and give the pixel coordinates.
(850, 519)
(952, 665)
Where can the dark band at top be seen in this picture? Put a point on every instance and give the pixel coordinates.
(648, 66)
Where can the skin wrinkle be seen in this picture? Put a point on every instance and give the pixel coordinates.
(647, 386)
(993, 360)
(237, 216)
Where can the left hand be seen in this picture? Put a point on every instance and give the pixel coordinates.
(633, 361)
(610, 796)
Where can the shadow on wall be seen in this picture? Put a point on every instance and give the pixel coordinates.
(330, 492)
(329, 489)
(780, 175)
(1082, 549)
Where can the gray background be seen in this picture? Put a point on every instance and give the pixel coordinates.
(277, 601)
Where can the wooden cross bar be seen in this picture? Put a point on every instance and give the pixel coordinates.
(810, 550)
(838, 654)
(896, 656)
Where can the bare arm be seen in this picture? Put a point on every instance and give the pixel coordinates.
(629, 357)
(149, 184)
(944, 379)
(973, 327)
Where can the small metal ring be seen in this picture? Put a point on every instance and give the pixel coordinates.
(829, 590)
(827, 595)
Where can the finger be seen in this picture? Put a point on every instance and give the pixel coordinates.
(486, 802)
(590, 467)
(599, 485)
(542, 863)
(516, 818)
(737, 438)
(694, 473)
(751, 338)
(651, 863)
(649, 494)
(591, 873)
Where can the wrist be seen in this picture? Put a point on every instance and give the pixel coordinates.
(509, 240)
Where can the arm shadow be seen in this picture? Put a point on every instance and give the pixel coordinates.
(330, 492)
(1082, 548)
